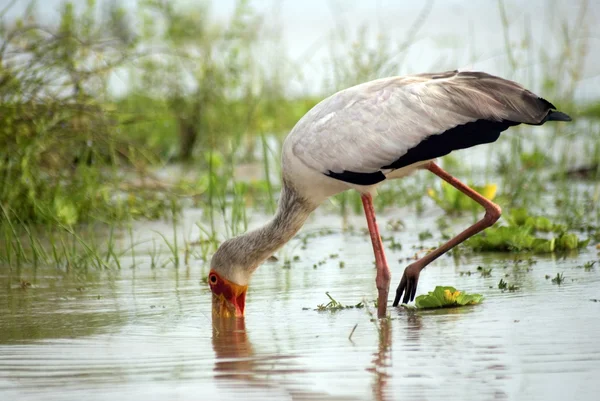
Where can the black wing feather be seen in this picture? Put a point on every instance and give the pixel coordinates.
(460, 137)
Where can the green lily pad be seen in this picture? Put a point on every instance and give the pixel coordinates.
(541, 245)
(445, 297)
(522, 238)
(568, 241)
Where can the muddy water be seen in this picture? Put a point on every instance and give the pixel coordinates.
(147, 334)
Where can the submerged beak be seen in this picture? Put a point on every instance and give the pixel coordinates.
(233, 307)
(228, 299)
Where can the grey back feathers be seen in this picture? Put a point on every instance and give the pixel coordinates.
(365, 128)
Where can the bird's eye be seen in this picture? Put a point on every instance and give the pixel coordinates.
(213, 279)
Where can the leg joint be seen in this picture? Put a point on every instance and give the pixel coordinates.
(383, 278)
(492, 213)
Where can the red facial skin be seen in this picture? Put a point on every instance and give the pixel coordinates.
(228, 297)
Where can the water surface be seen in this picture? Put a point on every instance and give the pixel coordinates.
(148, 334)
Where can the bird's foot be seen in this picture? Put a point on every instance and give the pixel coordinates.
(408, 284)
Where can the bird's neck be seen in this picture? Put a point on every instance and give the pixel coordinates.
(292, 212)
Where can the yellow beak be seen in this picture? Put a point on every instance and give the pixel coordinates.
(230, 301)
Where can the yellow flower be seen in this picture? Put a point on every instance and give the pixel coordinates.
(451, 296)
(489, 191)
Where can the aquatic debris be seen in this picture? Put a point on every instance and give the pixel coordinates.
(529, 261)
(446, 297)
(314, 234)
(587, 266)
(392, 245)
(334, 306)
(395, 225)
(424, 235)
(504, 286)
(559, 279)
(352, 332)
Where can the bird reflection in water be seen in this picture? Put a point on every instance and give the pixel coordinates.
(239, 367)
(382, 360)
(234, 353)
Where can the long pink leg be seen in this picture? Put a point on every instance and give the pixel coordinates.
(383, 271)
(409, 281)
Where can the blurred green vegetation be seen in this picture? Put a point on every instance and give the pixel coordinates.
(200, 96)
(70, 145)
(520, 235)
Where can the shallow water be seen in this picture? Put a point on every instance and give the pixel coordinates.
(147, 333)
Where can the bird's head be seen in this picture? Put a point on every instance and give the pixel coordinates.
(228, 281)
(229, 298)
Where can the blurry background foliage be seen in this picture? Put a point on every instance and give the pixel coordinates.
(71, 149)
(203, 101)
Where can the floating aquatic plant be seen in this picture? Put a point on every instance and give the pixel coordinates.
(445, 297)
(520, 217)
(520, 235)
(334, 306)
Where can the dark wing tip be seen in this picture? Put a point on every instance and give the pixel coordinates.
(557, 116)
(553, 115)
(547, 103)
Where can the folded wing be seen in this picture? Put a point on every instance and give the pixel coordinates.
(362, 133)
